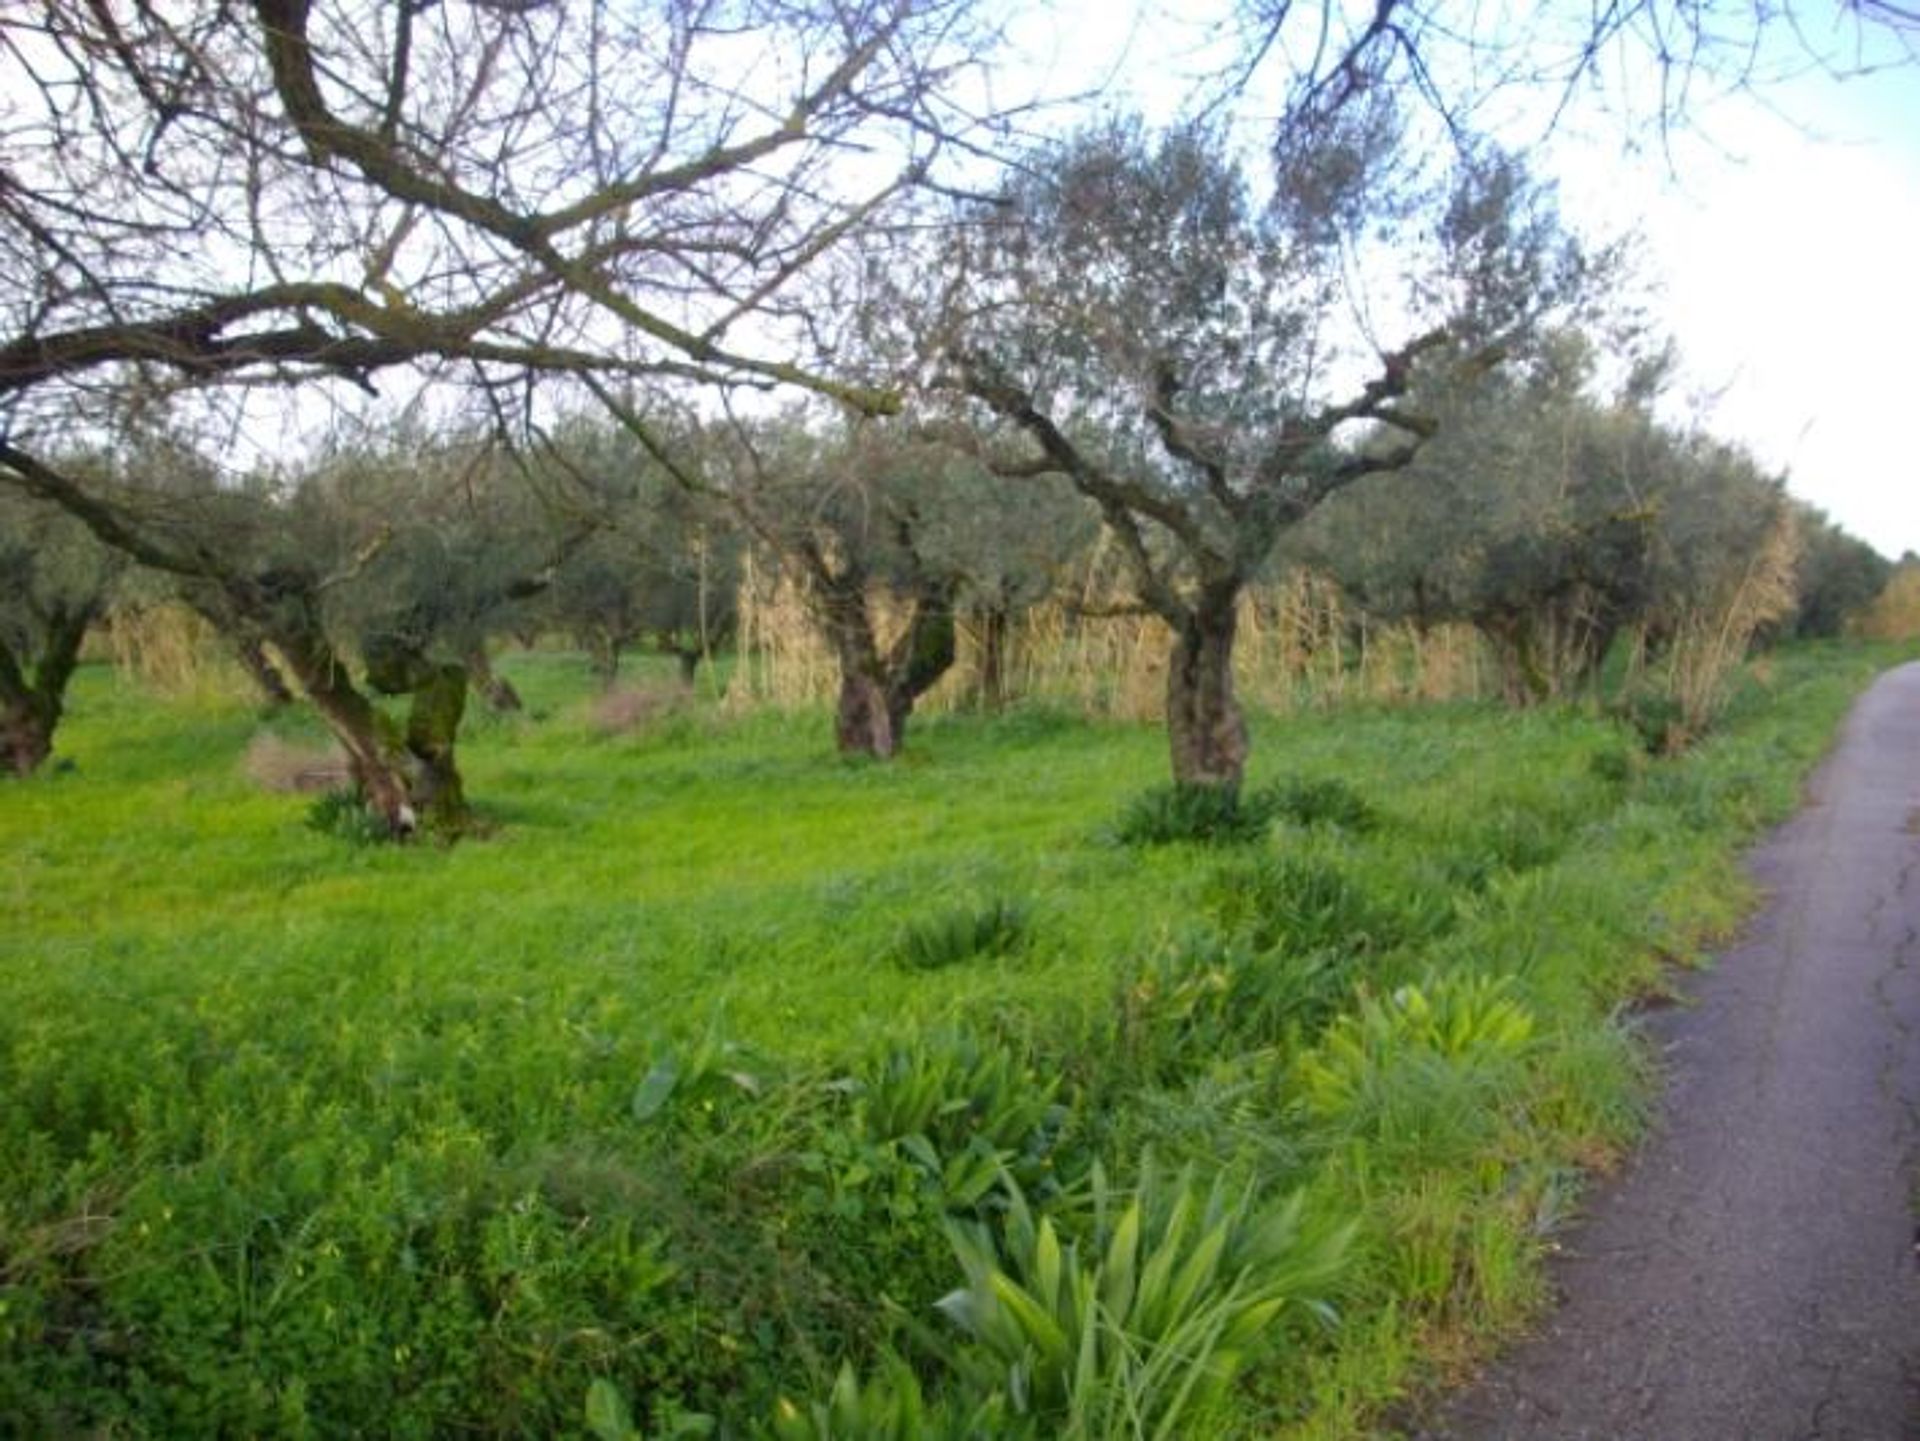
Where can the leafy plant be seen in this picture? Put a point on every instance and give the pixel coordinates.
(1139, 1328)
(892, 1407)
(343, 813)
(1206, 815)
(998, 927)
(1210, 995)
(1303, 902)
(1463, 1020)
(963, 1107)
(715, 1068)
(1329, 801)
(1659, 719)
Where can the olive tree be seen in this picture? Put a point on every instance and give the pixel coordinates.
(204, 201)
(56, 581)
(664, 567)
(1127, 314)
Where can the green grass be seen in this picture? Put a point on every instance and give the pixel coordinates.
(304, 1137)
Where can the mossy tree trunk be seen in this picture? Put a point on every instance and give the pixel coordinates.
(33, 694)
(378, 770)
(436, 693)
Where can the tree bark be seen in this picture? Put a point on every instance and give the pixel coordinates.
(495, 689)
(923, 654)
(31, 705)
(437, 703)
(361, 730)
(1205, 728)
(251, 652)
(863, 717)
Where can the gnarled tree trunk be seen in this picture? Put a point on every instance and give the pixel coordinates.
(31, 704)
(1205, 728)
(360, 729)
(878, 692)
(251, 652)
(924, 652)
(603, 657)
(862, 718)
(437, 703)
(495, 689)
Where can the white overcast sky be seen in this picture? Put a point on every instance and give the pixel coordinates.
(1783, 229)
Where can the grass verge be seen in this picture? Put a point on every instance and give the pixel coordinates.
(700, 1084)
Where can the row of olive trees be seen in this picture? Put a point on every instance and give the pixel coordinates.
(1558, 521)
(486, 197)
(1554, 522)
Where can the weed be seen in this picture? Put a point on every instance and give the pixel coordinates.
(1208, 996)
(344, 814)
(1330, 801)
(1140, 1327)
(998, 927)
(1202, 814)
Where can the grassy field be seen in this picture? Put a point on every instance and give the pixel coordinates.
(720, 1061)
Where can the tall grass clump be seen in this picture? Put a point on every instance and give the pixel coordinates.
(1139, 1325)
(993, 928)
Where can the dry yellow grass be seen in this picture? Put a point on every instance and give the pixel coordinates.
(1299, 645)
(1895, 612)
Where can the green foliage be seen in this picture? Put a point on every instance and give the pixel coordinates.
(998, 927)
(1309, 901)
(1328, 801)
(1465, 1021)
(415, 1142)
(1658, 719)
(1207, 815)
(891, 1406)
(343, 813)
(1208, 996)
(1139, 1327)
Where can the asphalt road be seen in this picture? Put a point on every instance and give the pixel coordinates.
(1754, 1275)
